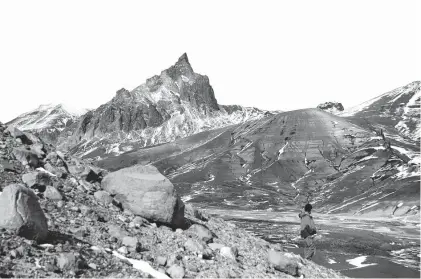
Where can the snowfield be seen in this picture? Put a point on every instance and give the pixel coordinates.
(49, 118)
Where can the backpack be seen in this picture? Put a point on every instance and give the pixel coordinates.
(307, 231)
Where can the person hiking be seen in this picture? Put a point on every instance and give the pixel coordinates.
(308, 231)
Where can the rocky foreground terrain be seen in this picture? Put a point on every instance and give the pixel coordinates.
(104, 196)
(56, 220)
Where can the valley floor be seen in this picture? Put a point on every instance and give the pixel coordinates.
(359, 247)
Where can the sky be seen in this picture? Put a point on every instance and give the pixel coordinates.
(275, 55)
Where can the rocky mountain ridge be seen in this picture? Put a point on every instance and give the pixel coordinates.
(60, 222)
(175, 104)
(396, 111)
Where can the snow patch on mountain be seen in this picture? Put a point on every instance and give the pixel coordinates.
(76, 111)
(399, 108)
(391, 95)
(281, 151)
(410, 169)
(47, 116)
(411, 116)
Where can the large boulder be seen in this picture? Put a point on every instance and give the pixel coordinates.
(147, 193)
(20, 210)
(76, 169)
(18, 134)
(200, 232)
(5, 165)
(91, 174)
(38, 149)
(198, 247)
(194, 246)
(28, 156)
(132, 243)
(70, 262)
(60, 172)
(37, 180)
(229, 252)
(191, 211)
(117, 232)
(52, 193)
(55, 159)
(175, 271)
(285, 262)
(103, 197)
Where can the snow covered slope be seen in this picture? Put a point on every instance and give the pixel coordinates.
(175, 104)
(397, 110)
(47, 120)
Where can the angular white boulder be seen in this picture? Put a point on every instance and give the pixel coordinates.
(52, 193)
(147, 193)
(200, 232)
(228, 252)
(285, 262)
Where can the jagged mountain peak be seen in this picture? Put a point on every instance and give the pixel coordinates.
(122, 91)
(176, 84)
(174, 104)
(183, 58)
(123, 95)
(183, 62)
(181, 69)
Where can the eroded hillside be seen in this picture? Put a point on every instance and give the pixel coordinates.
(287, 159)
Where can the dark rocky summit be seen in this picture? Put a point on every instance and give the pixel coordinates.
(193, 88)
(149, 105)
(93, 233)
(332, 107)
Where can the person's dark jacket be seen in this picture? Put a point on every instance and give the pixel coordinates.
(307, 225)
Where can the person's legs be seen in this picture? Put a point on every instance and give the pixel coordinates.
(309, 248)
